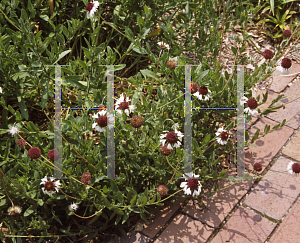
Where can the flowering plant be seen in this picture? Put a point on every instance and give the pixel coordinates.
(148, 122)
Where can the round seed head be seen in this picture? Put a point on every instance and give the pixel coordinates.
(21, 143)
(257, 167)
(34, 153)
(268, 54)
(286, 63)
(172, 137)
(171, 64)
(162, 190)
(53, 155)
(165, 151)
(287, 33)
(136, 121)
(194, 88)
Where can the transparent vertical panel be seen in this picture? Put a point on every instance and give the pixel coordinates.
(240, 123)
(110, 132)
(187, 122)
(57, 125)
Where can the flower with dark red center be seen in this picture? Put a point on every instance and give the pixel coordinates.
(194, 87)
(162, 190)
(287, 33)
(286, 63)
(171, 64)
(49, 186)
(171, 138)
(192, 184)
(21, 143)
(202, 93)
(252, 103)
(123, 105)
(136, 121)
(268, 54)
(165, 151)
(102, 121)
(53, 155)
(257, 167)
(86, 178)
(294, 168)
(223, 136)
(34, 153)
(91, 8)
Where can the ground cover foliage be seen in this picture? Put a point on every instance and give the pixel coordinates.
(35, 34)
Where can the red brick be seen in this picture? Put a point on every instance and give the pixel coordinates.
(161, 217)
(221, 203)
(245, 226)
(288, 231)
(184, 229)
(275, 194)
(268, 146)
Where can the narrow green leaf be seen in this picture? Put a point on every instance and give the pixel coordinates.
(255, 136)
(23, 109)
(61, 55)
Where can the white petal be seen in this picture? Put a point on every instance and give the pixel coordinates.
(183, 184)
(163, 141)
(169, 146)
(127, 112)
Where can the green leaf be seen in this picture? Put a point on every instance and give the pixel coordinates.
(137, 94)
(267, 129)
(144, 200)
(11, 109)
(265, 97)
(118, 211)
(234, 50)
(147, 73)
(60, 38)
(246, 136)
(133, 200)
(255, 136)
(202, 75)
(23, 109)
(61, 55)
(207, 138)
(187, 10)
(45, 95)
(28, 212)
(95, 218)
(74, 80)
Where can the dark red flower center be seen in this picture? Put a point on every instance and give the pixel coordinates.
(172, 137)
(252, 103)
(286, 63)
(49, 185)
(224, 136)
(102, 121)
(124, 105)
(257, 167)
(296, 168)
(203, 90)
(193, 183)
(89, 7)
(268, 54)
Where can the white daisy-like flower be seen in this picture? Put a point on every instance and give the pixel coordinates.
(294, 168)
(172, 138)
(1, 90)
(13, 130)
(163, 45)
(285, 65)
(103, 121)
(91, 9)
(223, 136)
(73, 207)
(252, 103)
(192, 184)
(49, 186)
(122, 105)
(203, 93)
